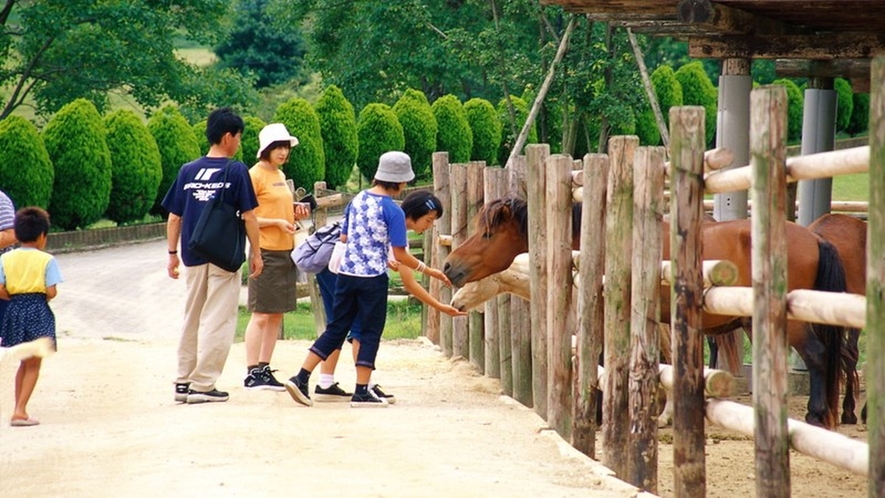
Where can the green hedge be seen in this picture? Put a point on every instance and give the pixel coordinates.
(419, 130)
(26, 172)
(486, 128)
(136, 169)
(338, 128)
(178, 145)
(307, 161)
(667, 89)
(379, 131)
(75, 141)
(454, 134)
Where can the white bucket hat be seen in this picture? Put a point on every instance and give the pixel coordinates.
(394, 167)
(275, 132)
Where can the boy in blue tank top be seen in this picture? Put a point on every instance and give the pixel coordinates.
(373, 227)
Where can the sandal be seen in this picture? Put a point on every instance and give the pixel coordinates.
(24, 422)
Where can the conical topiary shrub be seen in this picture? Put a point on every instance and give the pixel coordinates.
(75, 141)
(338, 128)
(508, 138)
(454, 135)
(249, 141)
(26, 173)
(486, 129)
(178, 145)
(419, 130)
(136, 169)
(307, 161)
(379, 131)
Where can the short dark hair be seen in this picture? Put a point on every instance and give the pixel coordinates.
(421, 202)
(265, 154)
(30, 222)
(387, 185)
(223, 120)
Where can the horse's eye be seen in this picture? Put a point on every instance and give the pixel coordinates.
(487, 235)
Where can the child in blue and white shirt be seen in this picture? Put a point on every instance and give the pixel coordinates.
(374, 226)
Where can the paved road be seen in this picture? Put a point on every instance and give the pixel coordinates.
(121, 292)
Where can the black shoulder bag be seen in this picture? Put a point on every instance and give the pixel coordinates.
(220, 234)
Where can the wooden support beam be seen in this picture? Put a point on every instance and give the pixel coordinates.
(726, 20)
(832, 46)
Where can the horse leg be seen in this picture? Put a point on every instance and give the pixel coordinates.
(813, 353)
(852, 382)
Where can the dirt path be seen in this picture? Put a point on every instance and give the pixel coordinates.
(110, 427)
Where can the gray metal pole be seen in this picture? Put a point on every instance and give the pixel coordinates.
(818, 135)
(733, 131)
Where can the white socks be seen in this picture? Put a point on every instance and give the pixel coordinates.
(326, 380)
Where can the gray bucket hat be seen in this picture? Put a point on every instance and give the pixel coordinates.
(394, 167)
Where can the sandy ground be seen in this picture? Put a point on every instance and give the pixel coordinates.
(110, 426)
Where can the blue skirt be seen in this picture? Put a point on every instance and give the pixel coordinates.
(27, 317)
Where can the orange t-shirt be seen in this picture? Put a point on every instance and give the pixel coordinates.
(275, 200)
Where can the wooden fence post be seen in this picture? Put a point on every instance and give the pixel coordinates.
(768, 133)
(592, 321)
(619, 247)
(520, 314)
(460, 344)
(561, 316)
(536, 183)
(648, 212)
(475, 327)
(875, 329)
(686, 249)
(494, 183)
(441, 252)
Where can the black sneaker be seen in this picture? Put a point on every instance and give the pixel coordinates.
(331, 393)
(214, 395)
(298, 391)
(376, 390)
(367, 400)
(271, 380)
(259, 378)
(181, 392)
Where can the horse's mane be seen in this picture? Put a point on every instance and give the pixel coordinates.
(511, 207)
(501, 211)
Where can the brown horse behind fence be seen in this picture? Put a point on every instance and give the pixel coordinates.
(501, 234)
(849, 235)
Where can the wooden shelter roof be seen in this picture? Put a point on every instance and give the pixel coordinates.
(823, 38)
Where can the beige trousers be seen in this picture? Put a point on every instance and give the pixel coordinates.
(210, 321)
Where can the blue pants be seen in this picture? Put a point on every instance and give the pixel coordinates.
(326, 281)
(362, 298)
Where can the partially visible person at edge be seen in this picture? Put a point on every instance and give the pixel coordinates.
(273, 292)
(210, 314)
(421, 209)
(7, 234)
(373, 223)
(28, 279)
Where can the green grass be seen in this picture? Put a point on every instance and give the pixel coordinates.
(851, 187)
(403, 321)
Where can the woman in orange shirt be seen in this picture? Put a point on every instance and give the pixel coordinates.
(273, 292)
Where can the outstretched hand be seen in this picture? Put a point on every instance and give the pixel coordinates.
(452, 311)
(439, 275)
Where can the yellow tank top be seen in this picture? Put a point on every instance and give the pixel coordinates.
(25, 271)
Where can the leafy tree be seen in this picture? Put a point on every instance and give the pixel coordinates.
(26, 173)
(379, 131)
(135, 167)
(844, 103)
(257, 46)
(697, 89)
(454, 133)
(486, 128)
(860, 115)
(178, 145)
(75, 141)
(307, 161)
(248, 152)
(667, 89)
(200, 134)
(419, 129)
(795, 104)
(59, 50)
(508, 138)
(338, 128)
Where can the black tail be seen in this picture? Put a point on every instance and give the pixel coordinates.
(831, 278)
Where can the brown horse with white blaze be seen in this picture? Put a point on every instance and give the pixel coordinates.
(812, 264)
